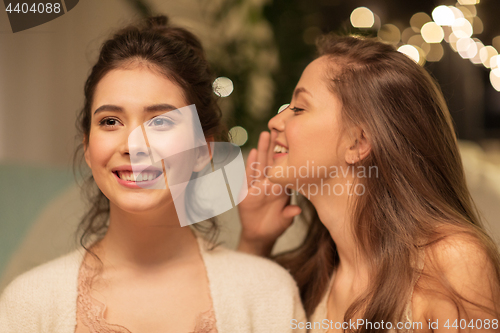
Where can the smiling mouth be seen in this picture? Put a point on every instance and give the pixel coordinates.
(142, 177)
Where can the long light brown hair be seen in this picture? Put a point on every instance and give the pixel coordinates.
(420, 196)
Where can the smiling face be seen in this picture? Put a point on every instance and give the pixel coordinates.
(125, 99)
(307, 134)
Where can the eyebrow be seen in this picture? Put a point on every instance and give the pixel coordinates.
(150, 108)
(301, 90)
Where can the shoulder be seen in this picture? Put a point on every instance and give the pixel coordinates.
(460, 272)
(48, 275)
(37, 294)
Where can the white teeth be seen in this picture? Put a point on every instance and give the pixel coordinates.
(144, 176)
(280, 149)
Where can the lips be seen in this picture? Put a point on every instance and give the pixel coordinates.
(280, 148)
(147, 175)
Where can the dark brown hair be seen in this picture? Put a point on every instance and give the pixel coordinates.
(420, 197)
(171, 51)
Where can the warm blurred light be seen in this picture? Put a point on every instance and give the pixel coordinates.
(422, 54)
(421, 45)
(472, 9)
(311, 34)
(362, 17)
(407, 33)
(453, 39)
(223, 86)
(462, 28)
(389, 33)
(411, 51)
(447, 32)
(416, 40)
(283, 107)
(238, 135)
(495, 78)
(468, 2)
(467, 48)
(443, 15)
(436, 52)
(456, 12)
(477, 58)
(466, 12)
(477, 25)
(378, 22)
(418, 20)
(494, 61)
(496, 43)
(486, 53)
(432, 33)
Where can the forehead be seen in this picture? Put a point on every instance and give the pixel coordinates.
(137, 86)
(316, 78)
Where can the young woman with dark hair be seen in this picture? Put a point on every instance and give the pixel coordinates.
(137, 269)
(393, 237)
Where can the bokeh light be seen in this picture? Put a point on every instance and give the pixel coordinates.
(443, 15)
(486, 53)
(406, 34)
(432, 32)
(389, 33)
(477, 26)
(418, 20)
(411, 51)
(477, 58)
(453, 39)
(238, 135)
(496, 43)
(462, 28)
(495, 78)
(362, 17)
(467, 48)
(222, 86)
(436, 53)
(468, 2)
(457, 13)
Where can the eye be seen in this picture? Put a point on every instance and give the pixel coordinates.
(109, 122)
(161, 122)
(296, 110)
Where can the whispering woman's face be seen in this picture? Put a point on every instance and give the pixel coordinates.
(126, 100)
(306, 136)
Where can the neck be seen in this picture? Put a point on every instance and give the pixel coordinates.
(146, 240)
(335, 212)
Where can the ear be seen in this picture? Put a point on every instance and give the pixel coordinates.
(359, 146)
(204, 154)
(86, 151)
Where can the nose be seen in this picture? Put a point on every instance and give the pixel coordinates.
(136, 145)
(277, 123)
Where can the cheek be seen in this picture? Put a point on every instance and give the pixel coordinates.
(312, 140)
(100, 150)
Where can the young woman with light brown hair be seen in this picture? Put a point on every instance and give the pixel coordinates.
(400, 244)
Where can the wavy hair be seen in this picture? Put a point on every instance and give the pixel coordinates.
(171, 51)
(419, 198)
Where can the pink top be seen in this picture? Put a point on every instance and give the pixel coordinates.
(90, 311)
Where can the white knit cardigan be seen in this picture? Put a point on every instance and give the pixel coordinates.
(249, 294)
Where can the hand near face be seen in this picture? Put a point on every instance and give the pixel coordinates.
(266, 212)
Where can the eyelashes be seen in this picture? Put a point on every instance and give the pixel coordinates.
(157, 122)
(104, 120)
(296, 109)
